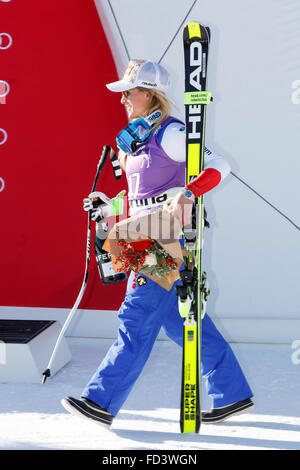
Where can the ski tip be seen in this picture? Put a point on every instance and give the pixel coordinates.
(46, 374)
(196, 31)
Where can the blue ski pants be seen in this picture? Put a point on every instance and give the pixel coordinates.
(145, 310)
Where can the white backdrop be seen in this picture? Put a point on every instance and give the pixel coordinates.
(252, 251)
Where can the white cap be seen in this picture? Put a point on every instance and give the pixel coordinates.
(143, 73)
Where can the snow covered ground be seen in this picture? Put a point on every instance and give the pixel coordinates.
(32, 418)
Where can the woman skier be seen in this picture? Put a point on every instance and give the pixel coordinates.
(155, 172)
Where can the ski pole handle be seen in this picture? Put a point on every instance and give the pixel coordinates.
(101, 163)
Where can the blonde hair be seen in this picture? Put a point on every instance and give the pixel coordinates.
(159, 101)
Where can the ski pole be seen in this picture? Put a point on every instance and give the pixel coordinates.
(101, 163)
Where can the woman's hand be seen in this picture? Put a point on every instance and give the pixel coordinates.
(181, 207)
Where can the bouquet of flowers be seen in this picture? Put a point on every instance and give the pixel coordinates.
(145, 256)
(147, 243)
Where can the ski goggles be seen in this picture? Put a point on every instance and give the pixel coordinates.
(136, 132)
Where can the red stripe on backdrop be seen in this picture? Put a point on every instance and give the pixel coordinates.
(57, 115)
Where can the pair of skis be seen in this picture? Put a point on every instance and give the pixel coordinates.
(193, 292)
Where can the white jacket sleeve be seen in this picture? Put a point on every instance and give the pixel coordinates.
(173, 143)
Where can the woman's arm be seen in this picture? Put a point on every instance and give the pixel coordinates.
(216, 167)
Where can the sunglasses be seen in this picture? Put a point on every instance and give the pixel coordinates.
(126, 94)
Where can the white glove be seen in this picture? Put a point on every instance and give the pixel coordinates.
(94, 200)
(97, 214)
(102, 206)
(87, 204)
